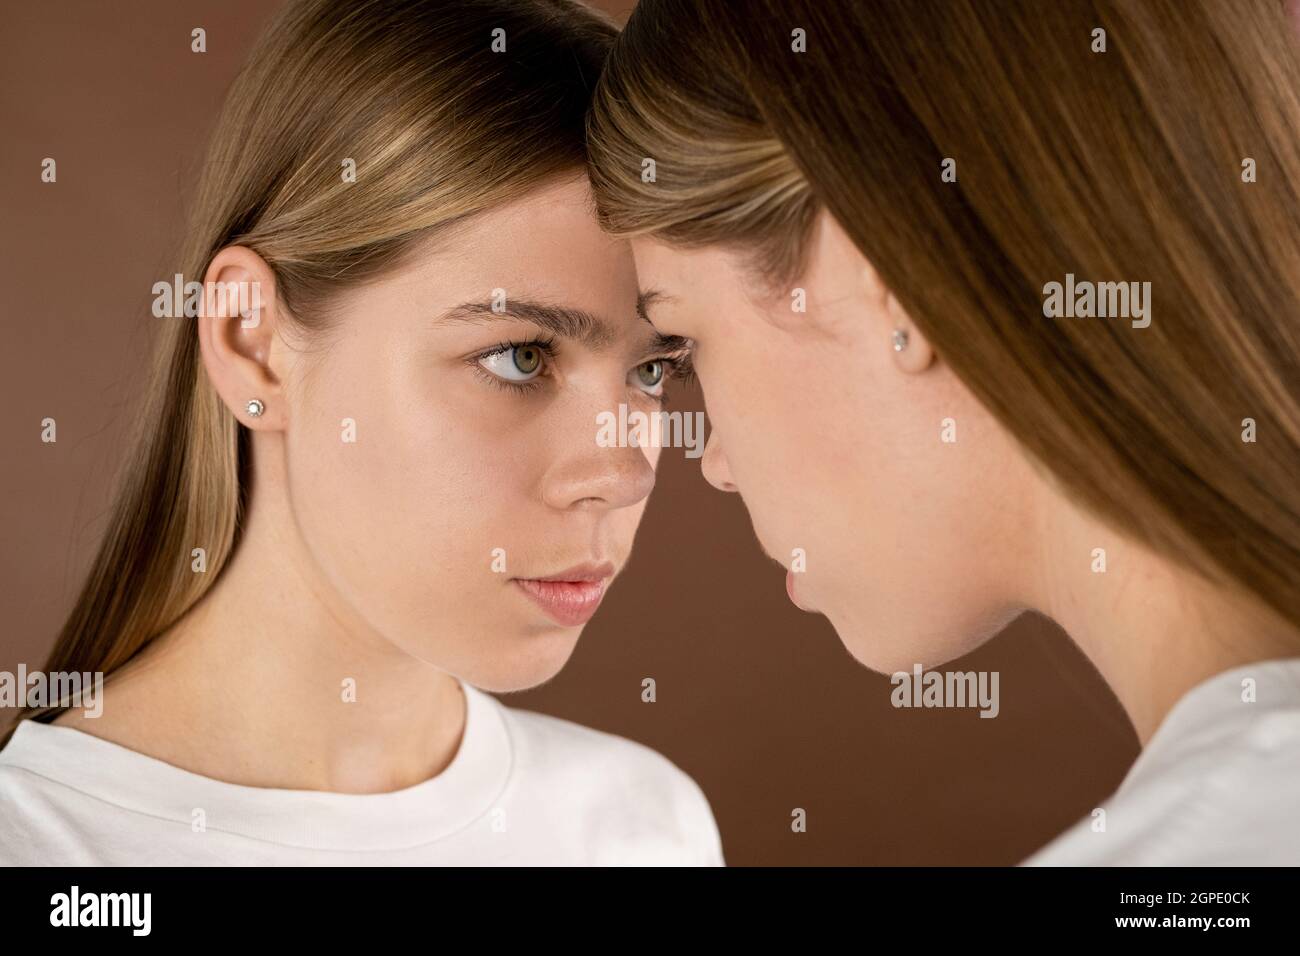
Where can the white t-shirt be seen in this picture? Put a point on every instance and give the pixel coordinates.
(1218, 783)
(523, 789)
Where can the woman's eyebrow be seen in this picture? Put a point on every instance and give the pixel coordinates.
(560, 320)
(661, 342)
(646, 298)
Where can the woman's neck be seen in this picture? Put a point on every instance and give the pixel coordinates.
(271, 681)
(1153, 629)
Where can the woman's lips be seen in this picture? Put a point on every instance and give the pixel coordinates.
(569, 598)
(789, 590)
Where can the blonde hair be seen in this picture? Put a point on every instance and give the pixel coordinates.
(440, 127)
(1123, 164)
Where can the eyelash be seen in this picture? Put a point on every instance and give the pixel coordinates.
(679, 367)
(547, 348)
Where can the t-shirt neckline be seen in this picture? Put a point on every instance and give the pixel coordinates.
(319, 820)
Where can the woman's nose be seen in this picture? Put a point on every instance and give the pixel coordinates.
(600, 478)
(717, 471)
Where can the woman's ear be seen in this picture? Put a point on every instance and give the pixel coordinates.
(851, 299)
(236, 332)
(912, 350)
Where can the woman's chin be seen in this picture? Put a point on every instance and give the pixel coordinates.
(537, 658)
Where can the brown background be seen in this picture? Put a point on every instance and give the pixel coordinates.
(760, 703)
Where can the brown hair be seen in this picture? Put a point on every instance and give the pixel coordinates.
(1122, 165)
(440, 126)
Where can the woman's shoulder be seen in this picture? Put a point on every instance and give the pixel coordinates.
(1224, 796)
(570, 748)
(36, 808)
(598, 771)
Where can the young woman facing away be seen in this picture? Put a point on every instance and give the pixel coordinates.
(317, 696)
(917, 175)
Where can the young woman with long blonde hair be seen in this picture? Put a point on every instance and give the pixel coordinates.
(367, 489)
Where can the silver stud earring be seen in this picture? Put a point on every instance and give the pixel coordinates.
(255, 407)
(900, 339)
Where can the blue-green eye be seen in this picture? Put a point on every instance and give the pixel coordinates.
(650, 375)
(517, 363)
